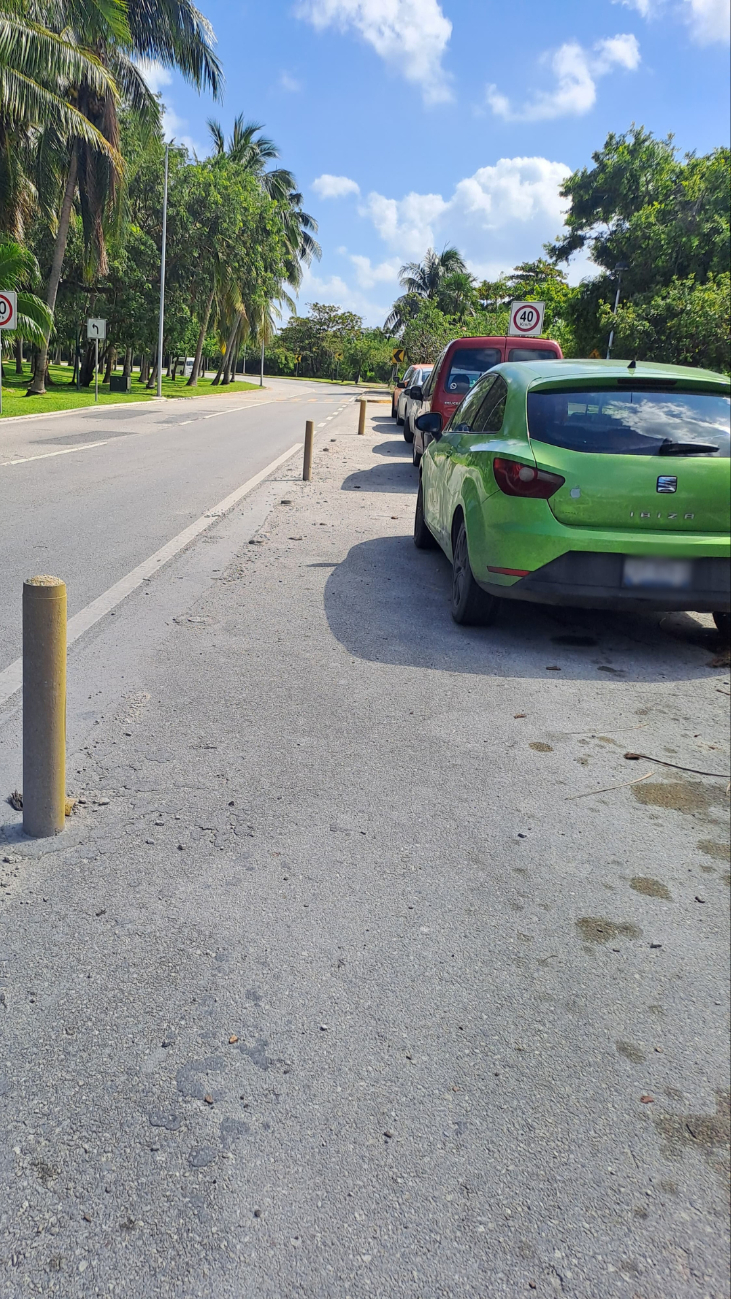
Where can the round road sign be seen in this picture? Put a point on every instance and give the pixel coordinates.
(526, 318)
(8, 309)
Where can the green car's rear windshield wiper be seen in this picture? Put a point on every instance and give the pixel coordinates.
(670, 448)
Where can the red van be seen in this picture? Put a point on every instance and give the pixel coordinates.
(457, 370)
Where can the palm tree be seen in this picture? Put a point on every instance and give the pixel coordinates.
(423, 279)
(18, 266)
(426, 277)
(38, 70)
(174, 33)
(249, 150)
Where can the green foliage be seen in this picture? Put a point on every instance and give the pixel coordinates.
(685, 324)
(19, 271)
(667, 220)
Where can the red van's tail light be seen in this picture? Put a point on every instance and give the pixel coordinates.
(516, 479)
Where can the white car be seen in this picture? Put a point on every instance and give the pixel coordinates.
(418, 376)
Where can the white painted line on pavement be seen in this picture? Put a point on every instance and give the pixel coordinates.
(11, 678)
(252, 405)
(24, 460)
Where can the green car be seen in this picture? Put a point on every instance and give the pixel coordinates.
(598, 484)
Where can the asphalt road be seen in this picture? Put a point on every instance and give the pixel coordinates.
(368, 966)
(93, 512)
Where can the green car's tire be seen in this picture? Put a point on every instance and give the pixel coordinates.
(471, 606)
(723, 622)
(423, 539)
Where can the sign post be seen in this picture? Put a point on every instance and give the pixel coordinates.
(526, 319)
(96, 329)
(8, 320)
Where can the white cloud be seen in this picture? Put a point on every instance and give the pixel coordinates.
(499, 216)
(289, 83)
(327, 186)
(576, 71)
(368, 275)
(709, 20)
(410, 35)
(316, 288)
(155, 74)
(515, 192)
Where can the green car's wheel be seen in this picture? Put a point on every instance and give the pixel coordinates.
(423, 539)
(723, 622)
(471, 606)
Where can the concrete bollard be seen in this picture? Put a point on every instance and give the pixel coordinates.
(44, 706)
(362, 417)
(307, 464)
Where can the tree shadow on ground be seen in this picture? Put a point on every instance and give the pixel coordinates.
(389, 603)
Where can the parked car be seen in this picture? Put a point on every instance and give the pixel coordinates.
(590, 483)
(417, 381)
(459, 367)
(415, 375)
(398, 390)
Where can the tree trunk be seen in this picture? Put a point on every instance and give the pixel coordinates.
(38, 383)
(111, 364)
(87, 366)
(230, 356)
(18, 356)
(193, 380)
(219, 371)
(127, 368)
(143, 369)
(152, 381)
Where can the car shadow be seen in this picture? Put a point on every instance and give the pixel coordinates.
(399, 476)
(388, 602)
(400, 449)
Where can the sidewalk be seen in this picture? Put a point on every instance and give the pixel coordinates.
(330, 989)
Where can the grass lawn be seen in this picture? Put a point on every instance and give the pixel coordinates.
(60, 396)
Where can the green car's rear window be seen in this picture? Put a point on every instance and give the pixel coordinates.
(632, 423)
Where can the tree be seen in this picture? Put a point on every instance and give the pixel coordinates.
(175, 34)
(423, 280)
(38, 68)
(665, 218)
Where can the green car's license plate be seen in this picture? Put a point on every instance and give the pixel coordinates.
(673, 573)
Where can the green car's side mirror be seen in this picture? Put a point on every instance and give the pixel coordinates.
(430, 425)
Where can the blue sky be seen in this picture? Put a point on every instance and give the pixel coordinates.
(418, 122)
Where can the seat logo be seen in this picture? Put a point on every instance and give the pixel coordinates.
(667, 483)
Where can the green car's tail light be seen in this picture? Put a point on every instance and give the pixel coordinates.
(516, 479)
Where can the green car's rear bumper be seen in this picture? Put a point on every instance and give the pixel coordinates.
(551, 563)
(587, 579)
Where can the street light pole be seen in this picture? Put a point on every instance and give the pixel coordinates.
(618, 271)
(161, 323)
(261, 367)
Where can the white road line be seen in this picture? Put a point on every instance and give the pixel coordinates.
(253, 405)
(11, 678)
(24, 460)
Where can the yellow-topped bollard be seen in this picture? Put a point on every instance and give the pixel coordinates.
(44, 706)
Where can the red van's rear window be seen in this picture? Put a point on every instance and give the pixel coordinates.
(532, 354)
(466, 366)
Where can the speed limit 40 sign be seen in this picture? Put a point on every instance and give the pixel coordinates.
(8, 309)
(526, 318)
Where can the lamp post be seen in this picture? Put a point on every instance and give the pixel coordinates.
(161, 323)
(261, 366)
(619, 268)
